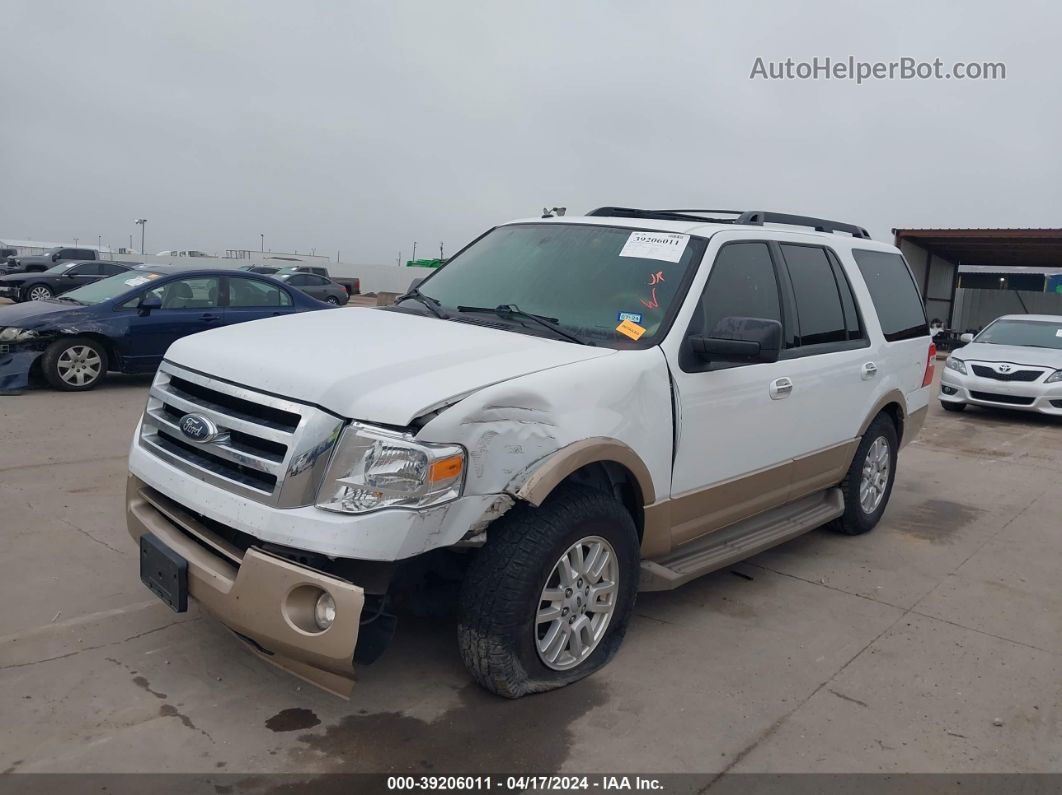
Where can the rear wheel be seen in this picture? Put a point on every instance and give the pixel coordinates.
(332, 300)
(547, 601)
(37, 292)
(868, 484)
(947, 405)
(74, 364)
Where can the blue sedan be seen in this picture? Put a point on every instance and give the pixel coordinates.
(125, 323)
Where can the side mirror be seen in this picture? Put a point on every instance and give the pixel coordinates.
(148, 302)
(743, 340)
(55, 257)
(966, 338)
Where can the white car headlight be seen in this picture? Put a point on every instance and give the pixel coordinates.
(1055, 377)
(958, 365)
(375, 468)
(12, 334)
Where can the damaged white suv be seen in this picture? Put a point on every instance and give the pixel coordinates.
(572, 409)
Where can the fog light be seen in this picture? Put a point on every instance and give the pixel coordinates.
(324, 612)
(948, 390)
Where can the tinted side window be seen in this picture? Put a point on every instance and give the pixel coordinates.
(68, 253)
(84, 269)
(110, 269)
(851, 314)
(820, 317)
(252, 292)
(892, 289)
(299, 280)
(742, 283)
(199, 293)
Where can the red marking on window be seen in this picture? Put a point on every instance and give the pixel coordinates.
(651, 303)
(656, 278)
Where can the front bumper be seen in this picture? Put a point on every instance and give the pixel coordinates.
(1024, 396)
(264, 599)
(15, 368)
(9, 292)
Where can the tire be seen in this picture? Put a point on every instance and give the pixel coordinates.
(947, 405)
(857, 519)
(498, 632)
(332, 300)
(37, 292)
(74, 364)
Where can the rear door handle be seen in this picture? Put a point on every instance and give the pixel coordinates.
(780, 388)
(869, 371)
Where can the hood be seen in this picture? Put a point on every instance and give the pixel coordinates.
(370, 364)
(33, 314)
(7, 278)
(1014, 354)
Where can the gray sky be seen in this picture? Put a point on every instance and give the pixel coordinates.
(364, 126)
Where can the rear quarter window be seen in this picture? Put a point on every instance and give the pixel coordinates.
(892, 289)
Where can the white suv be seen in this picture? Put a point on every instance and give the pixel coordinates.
(570, 410)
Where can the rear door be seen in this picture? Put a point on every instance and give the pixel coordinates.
(829, 359)
(251, 299)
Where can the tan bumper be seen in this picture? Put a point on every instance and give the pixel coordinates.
(257, 595)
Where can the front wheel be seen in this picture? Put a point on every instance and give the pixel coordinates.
(37, 292)
(74, 364)
(868, 484)
(547, 601)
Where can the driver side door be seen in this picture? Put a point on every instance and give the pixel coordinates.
(189, 305)
(734, 449)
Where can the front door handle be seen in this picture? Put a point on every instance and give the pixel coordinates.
(209, 317)
(869, 371)
(780, 388)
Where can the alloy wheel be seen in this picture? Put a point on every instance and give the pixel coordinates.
(40, 293)
(875, 478)
(577, 603)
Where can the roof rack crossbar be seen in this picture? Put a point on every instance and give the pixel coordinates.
(761, 217)
(748, 217)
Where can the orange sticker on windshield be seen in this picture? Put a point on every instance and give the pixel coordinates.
(629, 328)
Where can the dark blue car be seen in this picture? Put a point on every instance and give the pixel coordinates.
(126, 322)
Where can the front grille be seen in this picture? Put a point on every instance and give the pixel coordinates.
(1015, 375)
(992, 397)
(267, 448)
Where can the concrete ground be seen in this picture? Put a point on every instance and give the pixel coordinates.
(932, 644)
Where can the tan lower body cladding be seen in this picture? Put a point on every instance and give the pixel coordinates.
(686, 517)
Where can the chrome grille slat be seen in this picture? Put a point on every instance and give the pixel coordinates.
(285, 472)
(222, 450)
(220, 418)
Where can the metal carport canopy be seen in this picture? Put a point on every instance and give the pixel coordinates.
(1000, 247)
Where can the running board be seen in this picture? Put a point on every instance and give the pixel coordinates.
(739, 541)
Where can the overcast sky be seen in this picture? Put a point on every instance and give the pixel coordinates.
(361, 127)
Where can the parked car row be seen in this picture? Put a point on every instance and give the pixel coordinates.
(58, 279)
(125, 322)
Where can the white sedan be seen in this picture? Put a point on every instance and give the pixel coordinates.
(1015, 362)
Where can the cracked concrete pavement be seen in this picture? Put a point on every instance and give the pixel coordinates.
(932, 644)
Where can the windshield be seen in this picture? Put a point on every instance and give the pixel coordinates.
(62, 266)
(112, 287)
(610, 285)
(1032, 333)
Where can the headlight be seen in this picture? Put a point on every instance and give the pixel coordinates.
(1054, 377)
(958, 365)
(12, 334)
(373, 468)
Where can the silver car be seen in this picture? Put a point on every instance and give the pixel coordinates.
(1015, 362)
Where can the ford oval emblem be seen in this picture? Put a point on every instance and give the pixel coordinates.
(197, 428)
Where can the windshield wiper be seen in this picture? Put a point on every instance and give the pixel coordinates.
(431, 303)
(509, 311)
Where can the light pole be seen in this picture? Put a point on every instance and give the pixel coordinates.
(262, 235)
(142, 223)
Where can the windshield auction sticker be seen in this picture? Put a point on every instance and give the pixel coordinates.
(629, 328)
(666, 246)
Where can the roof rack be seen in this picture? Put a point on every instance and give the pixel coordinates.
(746, 217)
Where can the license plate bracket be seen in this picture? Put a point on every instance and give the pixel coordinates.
(164, 572)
